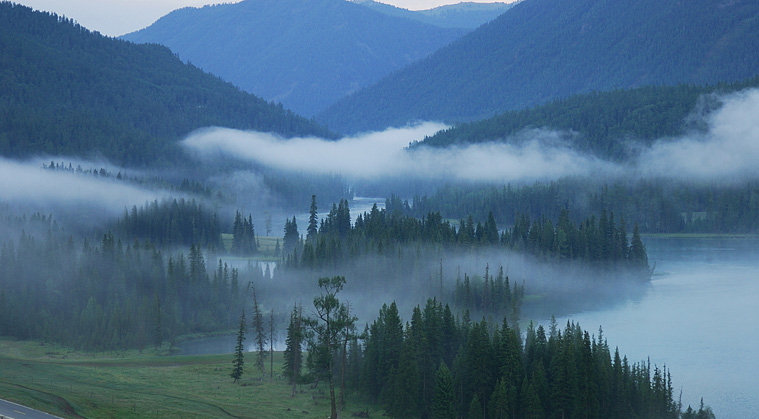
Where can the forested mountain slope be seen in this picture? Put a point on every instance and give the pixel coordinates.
(542, 50)
(464, 15)
(305, 54)
(67, 91)
(607, 124)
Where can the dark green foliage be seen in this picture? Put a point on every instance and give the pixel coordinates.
(402, 397)
(475, 408)
(543, 50)
(306, 67)
(239, 359)
(107, 294)
(602, 123)
(157, 323)
(67, 91)
(244, 240)
(172, 223)
(291, 237)
(498, 407)
(383, 233)
(331, 329)
(442, 401)
(293, 355)
(656, 206)
(313, 220)
(561, 376)
(260, 334)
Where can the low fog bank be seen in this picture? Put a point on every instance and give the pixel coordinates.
(726, 151)
(78, 198)
(412, 275)
(383, 155)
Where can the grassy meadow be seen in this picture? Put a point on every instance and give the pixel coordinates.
(130, 384)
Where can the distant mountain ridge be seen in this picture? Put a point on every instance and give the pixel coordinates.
(305, 54)
(543, 50)
(67, 91)
(466, 15)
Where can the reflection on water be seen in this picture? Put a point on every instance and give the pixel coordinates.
(698, 317)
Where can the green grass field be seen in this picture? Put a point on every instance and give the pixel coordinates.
(128, 384)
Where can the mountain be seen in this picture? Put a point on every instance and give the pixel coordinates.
(465, 15)
(305, 54)
(67, 91)
(610, 125)
(542, 50)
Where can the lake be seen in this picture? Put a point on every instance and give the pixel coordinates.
(699, 317)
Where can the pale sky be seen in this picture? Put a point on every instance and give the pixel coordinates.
(118, 17)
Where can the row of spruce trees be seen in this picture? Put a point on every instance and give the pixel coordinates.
(440, 365)
(601, 241)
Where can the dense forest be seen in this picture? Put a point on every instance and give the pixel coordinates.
(543, 50)
(177, 223)
(67, 91)
(443, 365)
(107, 294)
(610, 124)
(656, 206)
(600, 241)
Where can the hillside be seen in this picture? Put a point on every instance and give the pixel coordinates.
(67, 91)
(465, 15)
(542, 50)
(607, 124)
(305, 54)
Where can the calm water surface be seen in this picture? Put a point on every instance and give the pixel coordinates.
(699, 317)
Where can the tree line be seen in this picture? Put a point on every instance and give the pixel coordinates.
(106, 294)
(657, 206)
(385, 231)
(442, 365)
(602, 123)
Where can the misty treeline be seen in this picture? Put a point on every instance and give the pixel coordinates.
(180, 223)
(602, 241)
(107, 294)
(187, 185)
(657, 206)
(440, 365)
(611, 124)
(70, 91)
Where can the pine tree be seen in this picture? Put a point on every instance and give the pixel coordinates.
(329, 329)
(290, 239)
(442, 400)
(498, 408)
(258, 329)
(475, 408)
(239, 359)
(637, 255)
(313, 221)
(293, 355)
(405, 383)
